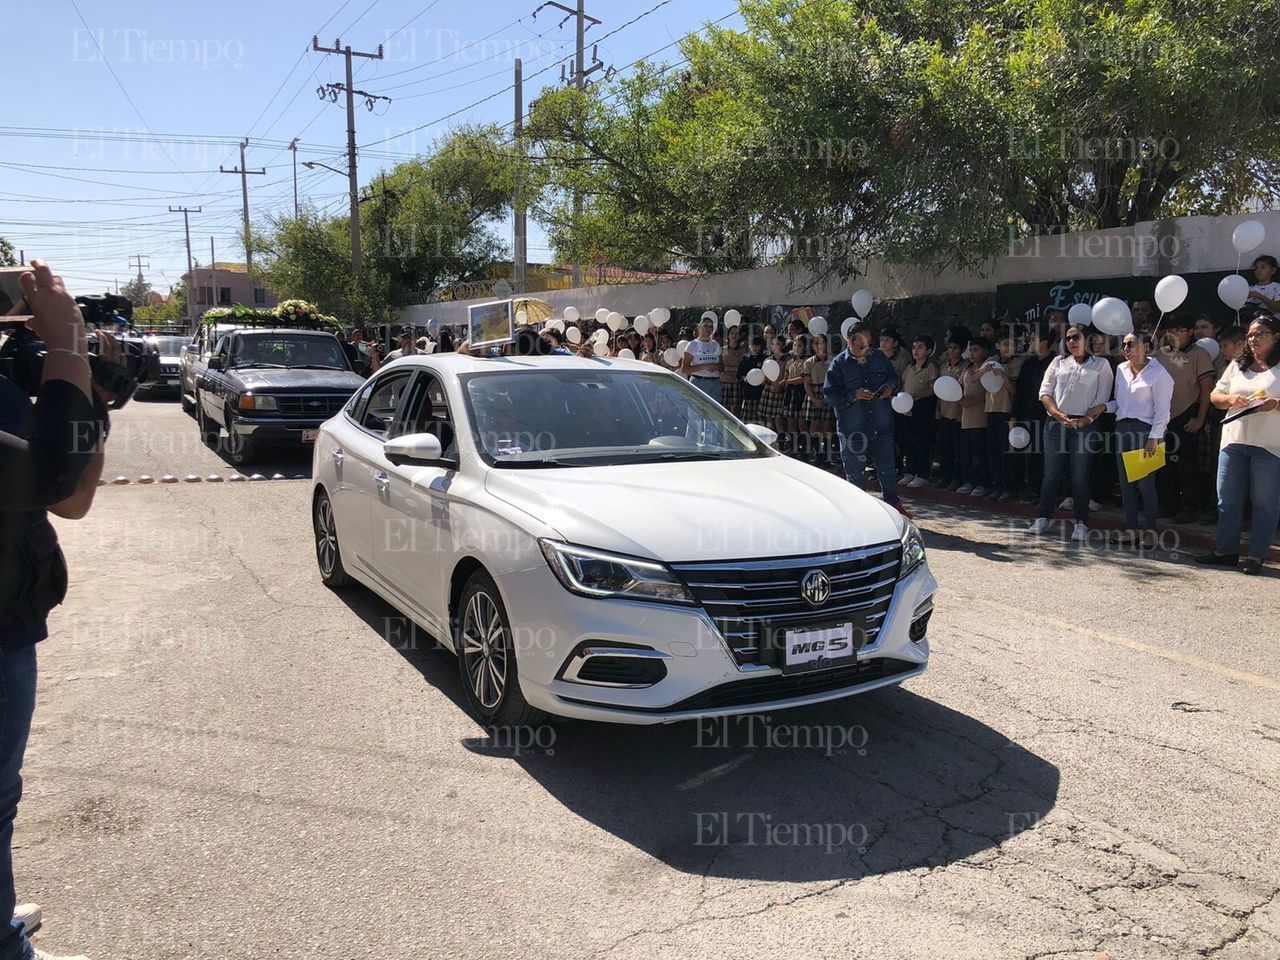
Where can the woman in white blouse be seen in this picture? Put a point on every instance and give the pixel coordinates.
(1075, 390)
(1249, 459)
(1144, 394)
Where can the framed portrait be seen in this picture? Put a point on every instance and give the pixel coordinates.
(490, 324)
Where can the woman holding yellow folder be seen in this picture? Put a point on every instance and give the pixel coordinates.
(1144, 392)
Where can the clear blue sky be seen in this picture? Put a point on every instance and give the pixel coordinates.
(88, 177)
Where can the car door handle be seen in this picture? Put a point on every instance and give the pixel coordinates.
(338, 457)
(382, 480)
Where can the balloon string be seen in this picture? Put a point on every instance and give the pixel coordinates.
(1156, 331)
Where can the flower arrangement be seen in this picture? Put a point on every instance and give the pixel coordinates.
(296, 310)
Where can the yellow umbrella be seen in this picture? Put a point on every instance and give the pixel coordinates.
(536, 311)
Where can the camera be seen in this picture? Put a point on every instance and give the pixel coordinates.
(22, 353)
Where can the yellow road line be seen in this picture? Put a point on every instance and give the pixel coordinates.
(1209, 666)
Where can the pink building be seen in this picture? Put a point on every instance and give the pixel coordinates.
(225, 285)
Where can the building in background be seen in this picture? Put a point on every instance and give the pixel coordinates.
(226, 284)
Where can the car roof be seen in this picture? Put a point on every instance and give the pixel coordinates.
(271, 331)
(458, 363)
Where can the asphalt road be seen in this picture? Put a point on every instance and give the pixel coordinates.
(231, 761)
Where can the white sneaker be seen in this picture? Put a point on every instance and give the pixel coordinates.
(1041, 525)
(906, 478)
(41, 955)
(978, 492)
(30, 915)
(965, 488)
(917, 483)
(1080, 533)
(1094, 505)
(1069, 503)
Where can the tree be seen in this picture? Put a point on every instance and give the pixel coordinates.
(137, 291)
(426, 222)
(7, 259)
(172, 310)
(830, 131)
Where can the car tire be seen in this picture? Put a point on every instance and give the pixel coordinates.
(487, 659)
(188, 406)
(328, 554)
(240, 450)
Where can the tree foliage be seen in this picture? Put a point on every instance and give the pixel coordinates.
(137, 291)
(7, 258)
(426, 222)
(829, 131)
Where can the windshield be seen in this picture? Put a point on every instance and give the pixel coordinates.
(568, 417)
(290, 351)
(167, 346)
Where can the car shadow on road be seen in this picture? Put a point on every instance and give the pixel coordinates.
(289, 463)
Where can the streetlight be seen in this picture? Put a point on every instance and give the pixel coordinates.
(312, 164)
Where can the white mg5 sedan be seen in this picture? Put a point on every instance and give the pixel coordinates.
(596, 538)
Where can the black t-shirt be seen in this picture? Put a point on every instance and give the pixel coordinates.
(747, 363)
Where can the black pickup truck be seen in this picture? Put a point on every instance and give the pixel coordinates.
(269, 387)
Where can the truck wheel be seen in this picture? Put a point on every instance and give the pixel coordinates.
(240, 449)
(208, 429)
(188, 406)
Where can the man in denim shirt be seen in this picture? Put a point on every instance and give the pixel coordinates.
(859, 385)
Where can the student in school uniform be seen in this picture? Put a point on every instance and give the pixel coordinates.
(954, 365)
(730, 357)
(817, 411)
(973, 421)
(751, 394)
(922, 419)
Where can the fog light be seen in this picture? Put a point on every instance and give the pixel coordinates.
(920, 621)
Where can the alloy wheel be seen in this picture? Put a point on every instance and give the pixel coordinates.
(484, 650)
(326, 537)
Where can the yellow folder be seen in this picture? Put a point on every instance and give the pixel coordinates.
(1137, 465)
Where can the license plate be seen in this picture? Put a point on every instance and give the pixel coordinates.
(309, 436)
(817, 649)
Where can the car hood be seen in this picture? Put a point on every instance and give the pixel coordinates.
(709, 510)
(269, 379)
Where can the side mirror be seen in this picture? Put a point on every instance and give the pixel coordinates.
(215, 363)
(420, 448)
(762, 433)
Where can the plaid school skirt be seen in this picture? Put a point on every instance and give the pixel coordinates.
(815, 412)
(793, 400)
(730, 392)
(750, 410)
(772, 404)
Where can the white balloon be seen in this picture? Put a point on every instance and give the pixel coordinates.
(1233, 290)
(1112, 316)
(1209, 346)
(573, 335)
(1080, 314)
(555, 324)
(626, 354)
(902, 402)
(710, 315)
(732, 318)
(990, 382)
(862, 302)
(616, 321)
(670, 356)
(642, 324)
(948, 389)
(600, 349)
(602, 315)
(771, 369)
(659, 316)
(755, 376)
(682, 347)
(522, 318)
(1170, 292)
(1248, 235)
(572, 315)
(601, 336)
(844, 327)
(1019, 437)
(818, 326)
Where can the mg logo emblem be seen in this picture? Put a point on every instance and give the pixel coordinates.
(815, 587)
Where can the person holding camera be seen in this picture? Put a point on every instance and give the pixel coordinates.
(50, 460)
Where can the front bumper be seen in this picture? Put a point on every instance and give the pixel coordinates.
(275, 431)
(550, 624)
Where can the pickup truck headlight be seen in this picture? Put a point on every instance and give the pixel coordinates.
(594, 573)
(912, 548)
(251, 401)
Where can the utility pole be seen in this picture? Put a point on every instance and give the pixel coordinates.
(294, 147)
(244, 194)
(213, 277)
(139, 257)
(352, 178)
(186, 223)
(521, 239)
(579, 79)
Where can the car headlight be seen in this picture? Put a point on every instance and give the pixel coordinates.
(912, 548)
(594, 573)
(251, 401)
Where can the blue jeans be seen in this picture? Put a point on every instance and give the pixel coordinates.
(1246, 469)
(1131, 434)
(1065, 448)
(17, 702)
(708, 385)
(854, 449)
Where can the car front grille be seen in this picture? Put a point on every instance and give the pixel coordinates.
(322, 405)
(752, 602)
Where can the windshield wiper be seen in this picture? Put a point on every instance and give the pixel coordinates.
(674, 456)
(313, 366)
(540, 462)
(257, 363)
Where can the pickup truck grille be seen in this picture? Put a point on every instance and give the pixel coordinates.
(323, 405)
(752, 602)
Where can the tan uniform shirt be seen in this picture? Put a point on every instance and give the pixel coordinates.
(918, 381)
(1188, 368)
(1002, 400)
(730, 357)
(901, 360)
(974, 415)
(950, 409)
